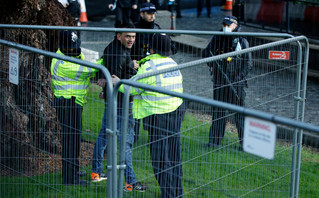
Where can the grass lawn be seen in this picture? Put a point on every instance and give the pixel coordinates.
(213, 172)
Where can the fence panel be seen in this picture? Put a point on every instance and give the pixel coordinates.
(224, 170)
(31, 133)
(208, 172)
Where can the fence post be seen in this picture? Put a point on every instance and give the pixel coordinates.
(295, 139)
(303, 97)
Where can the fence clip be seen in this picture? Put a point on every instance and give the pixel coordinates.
(109, 131)
(298, 99)
(122, 167)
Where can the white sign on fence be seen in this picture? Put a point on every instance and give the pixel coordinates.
(259, 137)
(14, 66)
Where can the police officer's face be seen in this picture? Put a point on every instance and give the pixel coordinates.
(231, 26)
(127, 39)
(148, 17)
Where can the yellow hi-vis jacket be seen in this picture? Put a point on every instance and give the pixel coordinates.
(146, 103)
(71, 79)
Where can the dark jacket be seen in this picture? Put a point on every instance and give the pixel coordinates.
(116, 58)
(235, 69)
(74, 8)
(142, 41)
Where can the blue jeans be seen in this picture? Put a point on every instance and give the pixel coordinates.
(101, 143)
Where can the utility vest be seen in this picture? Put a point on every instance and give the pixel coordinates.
(145, 102)
(71, 79)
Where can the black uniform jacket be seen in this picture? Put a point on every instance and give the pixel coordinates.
(236, 68)
(143, 40)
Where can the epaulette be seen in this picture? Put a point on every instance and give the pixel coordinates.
(142, 61)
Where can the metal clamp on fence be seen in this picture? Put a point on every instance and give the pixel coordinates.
(109, 131)
(298, 99)
(119, 167)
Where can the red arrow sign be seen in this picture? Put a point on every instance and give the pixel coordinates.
(279, 55)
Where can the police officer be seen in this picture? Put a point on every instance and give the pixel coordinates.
(229, 78)
(162, 115)
(143, 40)
(141, 47)
(70, 83)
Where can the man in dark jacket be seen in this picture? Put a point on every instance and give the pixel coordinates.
(229, 78)
(123, 11)
(116, 58)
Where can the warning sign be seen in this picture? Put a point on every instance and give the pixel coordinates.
(279, 55)
(14, 66)
(259, 137)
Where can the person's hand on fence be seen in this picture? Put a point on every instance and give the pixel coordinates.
(110, 6)
(136, 66)
(101, 82)
(115, 79)
(101, 95)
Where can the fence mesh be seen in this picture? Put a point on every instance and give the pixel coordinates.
(30, 132)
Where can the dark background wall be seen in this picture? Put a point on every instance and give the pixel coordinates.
(97, 9)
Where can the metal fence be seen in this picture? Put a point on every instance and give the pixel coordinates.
(227, 170)
(29, 126)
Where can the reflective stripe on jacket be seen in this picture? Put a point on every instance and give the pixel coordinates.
(146, 102)
(70, 79)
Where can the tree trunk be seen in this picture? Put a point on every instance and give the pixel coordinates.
(28, 122)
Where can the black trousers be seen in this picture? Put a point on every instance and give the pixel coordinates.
(200, 7)
(178, 8)
(165, 149)
(70, 117)
(122, 16)
(226, 94)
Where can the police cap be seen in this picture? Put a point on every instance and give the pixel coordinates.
(69, 39)
(148, 7)
(228, 20)
(161, 44)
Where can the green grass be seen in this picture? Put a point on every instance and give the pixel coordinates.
(215, 172)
